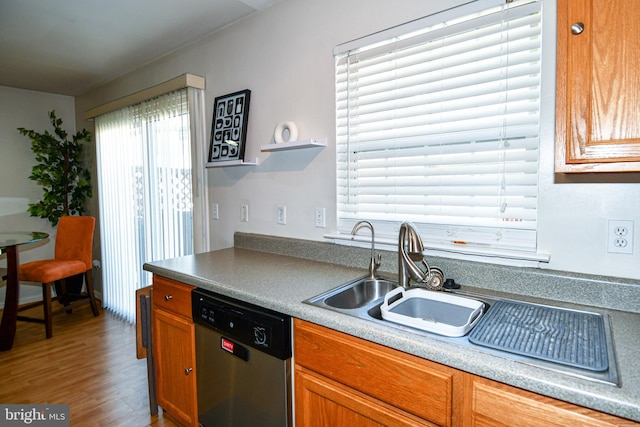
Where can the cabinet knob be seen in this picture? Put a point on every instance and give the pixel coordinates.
(187, 371)
(168, 297)
(577, 28)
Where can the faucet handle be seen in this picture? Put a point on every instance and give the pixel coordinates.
(374, 264)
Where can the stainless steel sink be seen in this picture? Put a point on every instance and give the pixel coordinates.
(359, 293)
(363, 297)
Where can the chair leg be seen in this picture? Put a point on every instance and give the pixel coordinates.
(63, 296)
(46, 303)
(92, 298)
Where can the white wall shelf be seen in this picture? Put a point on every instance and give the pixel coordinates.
(246, 162)
(295, 145)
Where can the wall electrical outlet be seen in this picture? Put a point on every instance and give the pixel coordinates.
(215, 211)
(281, 215)
(620, 237)
(244, 213)
(321, 221)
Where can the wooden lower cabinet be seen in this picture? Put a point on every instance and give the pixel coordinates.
(341, 380)
(344, 380)
(489, 403)
(323, 402)
(174, 350)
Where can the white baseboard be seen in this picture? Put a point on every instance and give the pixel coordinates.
(33, 298)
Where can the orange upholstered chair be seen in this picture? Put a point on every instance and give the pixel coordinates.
(73, 253)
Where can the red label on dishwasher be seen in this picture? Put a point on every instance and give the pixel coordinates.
(226, 345)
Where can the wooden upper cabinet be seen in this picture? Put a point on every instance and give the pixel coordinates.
(598, 87)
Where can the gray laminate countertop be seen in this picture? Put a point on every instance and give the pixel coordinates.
(282, 283)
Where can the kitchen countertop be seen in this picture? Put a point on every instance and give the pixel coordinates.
(281, 283)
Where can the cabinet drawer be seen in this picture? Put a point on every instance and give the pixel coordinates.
(172, 296)
(496, 404)
(319, 398)
(415, 385)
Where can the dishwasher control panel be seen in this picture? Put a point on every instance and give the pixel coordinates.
(258, 327)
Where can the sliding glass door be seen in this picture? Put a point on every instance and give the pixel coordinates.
(146, 193)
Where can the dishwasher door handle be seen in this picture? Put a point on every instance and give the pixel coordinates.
(234, 348)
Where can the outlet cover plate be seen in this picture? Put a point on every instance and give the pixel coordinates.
(620, 237)
(320, 219)
(244, 213)
(215, 211)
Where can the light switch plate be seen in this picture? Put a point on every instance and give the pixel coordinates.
(281, 215)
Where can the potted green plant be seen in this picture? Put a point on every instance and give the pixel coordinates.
(65, 182)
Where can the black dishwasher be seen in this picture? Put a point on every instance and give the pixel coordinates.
(243, 363)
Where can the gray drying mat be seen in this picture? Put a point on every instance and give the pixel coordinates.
(572, 338)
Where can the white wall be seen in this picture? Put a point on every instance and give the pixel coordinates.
(28, 109)
(284, 55)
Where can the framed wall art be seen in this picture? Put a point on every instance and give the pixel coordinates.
(229, 127)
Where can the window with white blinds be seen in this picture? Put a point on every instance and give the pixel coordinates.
(438, 123)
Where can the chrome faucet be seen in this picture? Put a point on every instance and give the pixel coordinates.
(374, 262)
(410, 250)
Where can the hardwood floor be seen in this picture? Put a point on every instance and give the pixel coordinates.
(89, 363)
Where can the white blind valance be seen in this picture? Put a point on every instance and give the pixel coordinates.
(439, 124)
(180, 82)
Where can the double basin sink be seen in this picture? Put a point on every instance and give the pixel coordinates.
(452, 316)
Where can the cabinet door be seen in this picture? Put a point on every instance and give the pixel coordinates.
(598, 96)
(173, 345)
(489, 403)
(321, 402)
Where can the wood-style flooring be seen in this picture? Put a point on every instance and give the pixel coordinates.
(89, 363)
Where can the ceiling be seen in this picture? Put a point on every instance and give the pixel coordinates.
(68, 47)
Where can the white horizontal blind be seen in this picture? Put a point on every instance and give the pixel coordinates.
(440, 126)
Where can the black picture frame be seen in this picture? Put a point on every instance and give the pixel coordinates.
(229, 127)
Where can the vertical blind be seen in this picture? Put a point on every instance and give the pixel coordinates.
(145, 189)
(438, 123)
